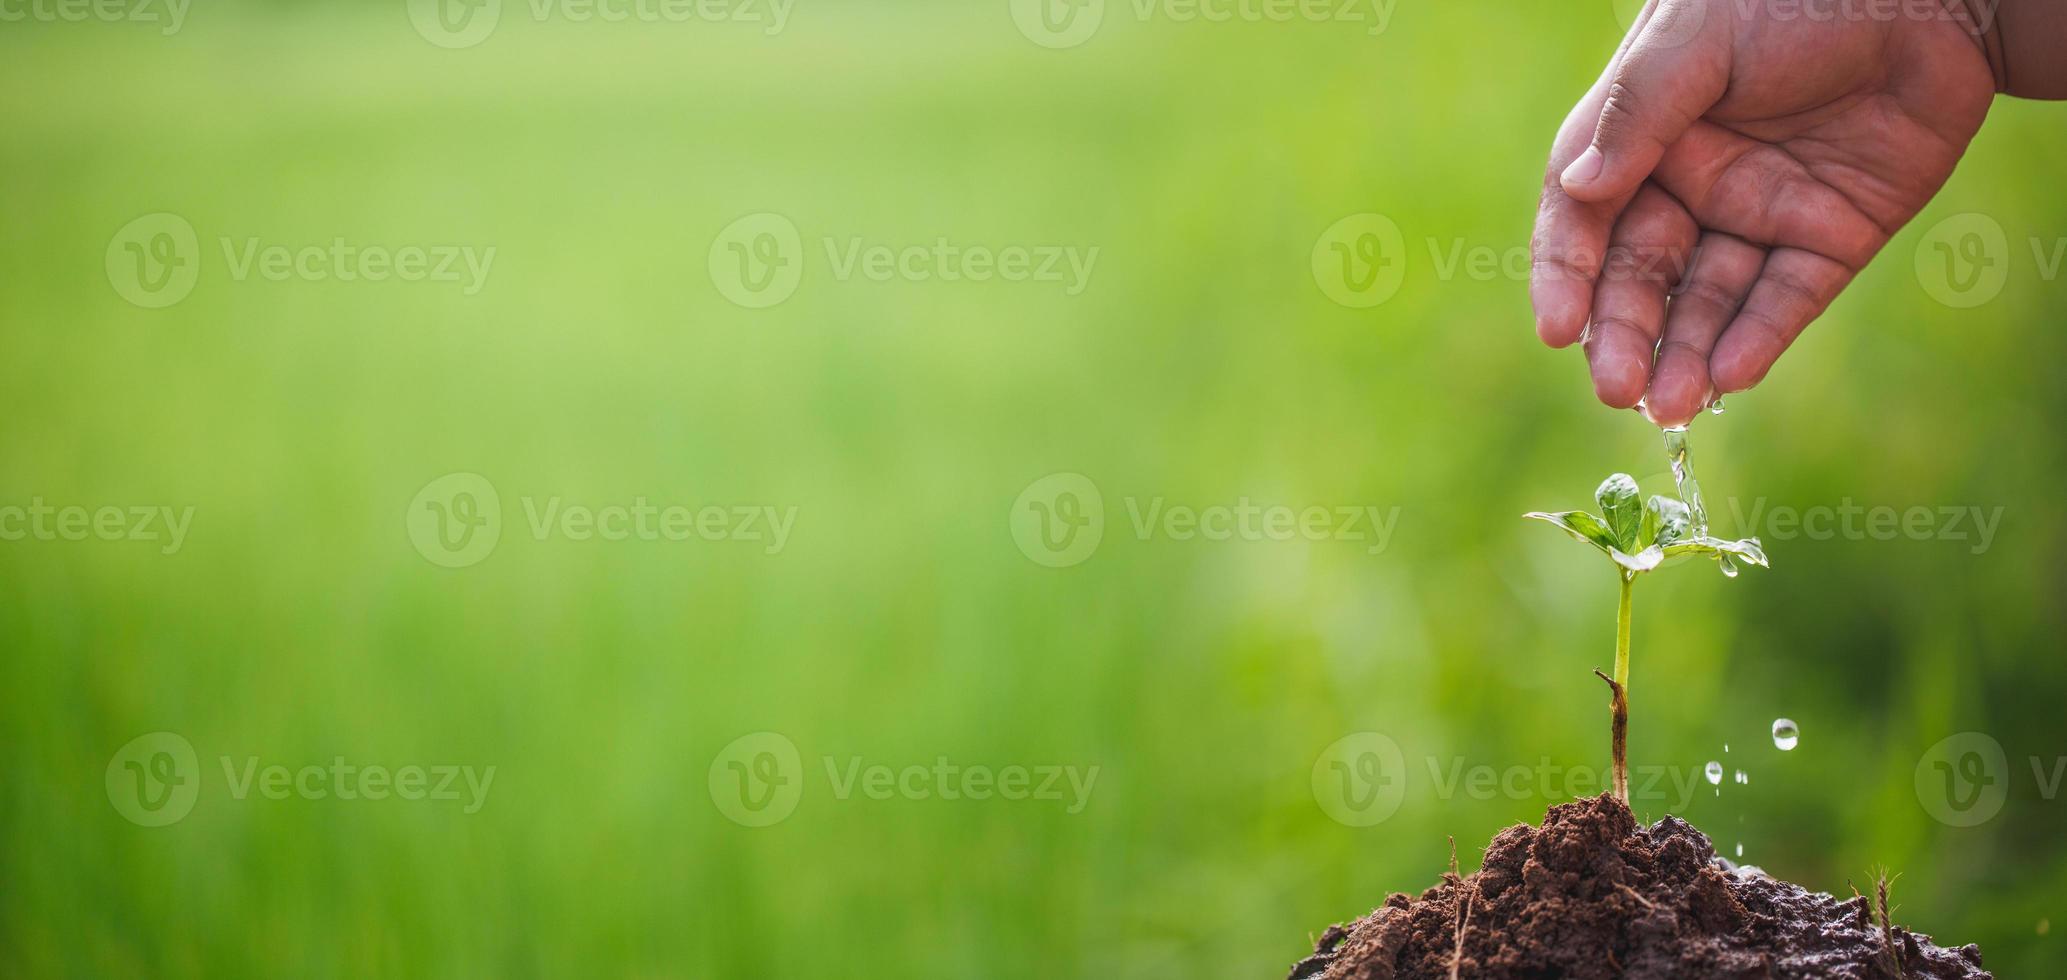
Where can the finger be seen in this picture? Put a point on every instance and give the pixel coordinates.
(1723, 269)
(1644, 260)
(1571, 236)
(1675, 69)
(1793, 288)
(1566, 249)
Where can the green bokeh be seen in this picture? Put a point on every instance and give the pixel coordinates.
(900, 623)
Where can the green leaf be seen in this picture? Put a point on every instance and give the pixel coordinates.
(1665, 520)
(1622, 510)
(1642, 561)
(1747, 550)
(1581, 525)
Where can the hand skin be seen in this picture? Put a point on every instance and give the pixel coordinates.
(1744, 160)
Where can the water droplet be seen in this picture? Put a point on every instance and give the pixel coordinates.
(1742, 779)
(1716, 407)
(1714, 774)
(1726, 748)
(1740, 849)
(1785, 734)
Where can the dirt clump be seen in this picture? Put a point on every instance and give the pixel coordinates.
(1591, 894)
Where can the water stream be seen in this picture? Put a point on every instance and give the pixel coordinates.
(1689, 488)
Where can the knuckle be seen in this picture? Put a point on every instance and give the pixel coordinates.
(1706, 296)
(1627, 114)
(1621, 320)
(1550, 263)
(1798, 298)
(1634, 262)
(1760, 322)
(1700, 353)
(1622, 100)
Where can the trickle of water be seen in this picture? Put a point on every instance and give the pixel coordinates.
(1683, 480)
(1786, 734)
(1690, 491)
(1714, 772)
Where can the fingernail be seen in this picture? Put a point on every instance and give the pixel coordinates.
(1585, 169)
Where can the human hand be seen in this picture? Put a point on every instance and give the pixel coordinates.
(1746, 165)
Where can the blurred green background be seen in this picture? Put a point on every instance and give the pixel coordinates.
(901, 623)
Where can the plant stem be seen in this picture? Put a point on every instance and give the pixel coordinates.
(1622, 633)
(1620, 705)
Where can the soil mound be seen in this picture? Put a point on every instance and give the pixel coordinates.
(1593, 895)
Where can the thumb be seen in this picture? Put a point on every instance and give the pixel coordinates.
(1673, 71)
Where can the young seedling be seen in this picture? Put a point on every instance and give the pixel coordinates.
(1638, 537)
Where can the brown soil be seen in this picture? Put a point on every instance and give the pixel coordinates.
(1592, 894)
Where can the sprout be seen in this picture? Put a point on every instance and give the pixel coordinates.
(1638, 537)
